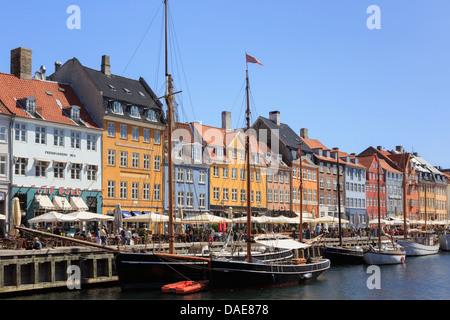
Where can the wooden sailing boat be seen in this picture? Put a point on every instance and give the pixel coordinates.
(343, 254)
(385, 253)
(229, 273)
(154, 270)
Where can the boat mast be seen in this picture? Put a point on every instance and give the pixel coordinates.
(339, 199)
(405, 233)
(247, 151)
(169, 100)
(379, 205)
(301, 191)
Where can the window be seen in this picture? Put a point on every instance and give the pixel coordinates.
(189, 176)
(219, 153)
(242, 174)
(123, 158)
(202, 200)
(281, 195)
(225, 194)
(147, 135)
(75, 113)
(180, 174)
(3, 134)
(134, 190)
(258, 176)
(157, 137)
(146, 191)
(243, 198)
(275, 195)
(111, 189)
(111, 157)
(20, 130)
(117, 107)
(157, 192)
(216, 171)
(196, 154)
(189, 199)
(91, 172)
(41, 169)
(91, 142)
(269, 195)
(134, 112)
(234, 153)
(151, 115)
(58, 138)
(146, 163)
(157, 164)
(234, 173)
(225, 172)
(75, 171)
(123, 131)
(40, 135)
(258, 196)
(75, 140)
(20, 166)
(234, 194)
(31, 105)
(111, 129)
(135, 133)
(180, 198)
(201, 176)
(2, 165)
(135, 160)
(123, 190)
(216, 193)
(58, 170)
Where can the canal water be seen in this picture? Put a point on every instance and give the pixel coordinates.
(420, 278)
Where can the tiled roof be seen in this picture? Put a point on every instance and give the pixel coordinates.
(14, 91)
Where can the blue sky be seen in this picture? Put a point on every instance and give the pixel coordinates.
(324, 70)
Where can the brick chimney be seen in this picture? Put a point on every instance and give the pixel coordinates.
(274, 116)
(21, 63)
(399, 149)
(226, 120)
(106, 65)
(304, 133)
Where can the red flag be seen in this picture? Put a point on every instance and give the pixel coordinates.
(253, 60)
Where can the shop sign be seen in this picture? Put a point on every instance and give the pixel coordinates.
(60, 192)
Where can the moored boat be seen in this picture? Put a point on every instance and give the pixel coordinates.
(386, 254)
(420, 244)
(345, 255)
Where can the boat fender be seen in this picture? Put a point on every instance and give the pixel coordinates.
(402, 260)
(273, 278)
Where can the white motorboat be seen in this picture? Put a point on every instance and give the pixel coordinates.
(420, 244)
(444, 241)
(386, 254)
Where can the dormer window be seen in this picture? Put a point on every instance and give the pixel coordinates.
(31, 105)
(127, 91)
(151, 115)
(75, 113)
(134, 112)
(117, 107)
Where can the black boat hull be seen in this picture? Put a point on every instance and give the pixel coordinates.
(139, 271)
(340, 255)
(228, 274)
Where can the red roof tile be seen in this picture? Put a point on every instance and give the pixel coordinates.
(46, 93)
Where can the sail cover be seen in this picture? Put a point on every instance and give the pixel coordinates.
(283, 243)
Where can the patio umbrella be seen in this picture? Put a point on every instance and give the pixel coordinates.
(89, 216)
(148, 217)
(16, 217)
(118, 218)
(382, 221)
(329, 219)
(50, 217)
(206, 218)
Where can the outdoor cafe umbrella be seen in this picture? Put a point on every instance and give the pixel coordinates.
(89, 216)
(329, 219)
(206, 218)
(16, 217)
(51, 217)
(148, 217)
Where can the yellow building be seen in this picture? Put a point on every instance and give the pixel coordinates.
(225, 151)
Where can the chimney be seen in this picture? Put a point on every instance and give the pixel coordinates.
(304, 133)
(58, 65)
(21, 63)
(380, 148)
(274, 116)
(106, 65)
(226, 120)
(399, 149)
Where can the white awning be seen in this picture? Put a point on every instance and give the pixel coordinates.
(61, 203)
(44, 202)
(283, 243)
(78, 204)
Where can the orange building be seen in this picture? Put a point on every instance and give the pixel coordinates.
(309, 172)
